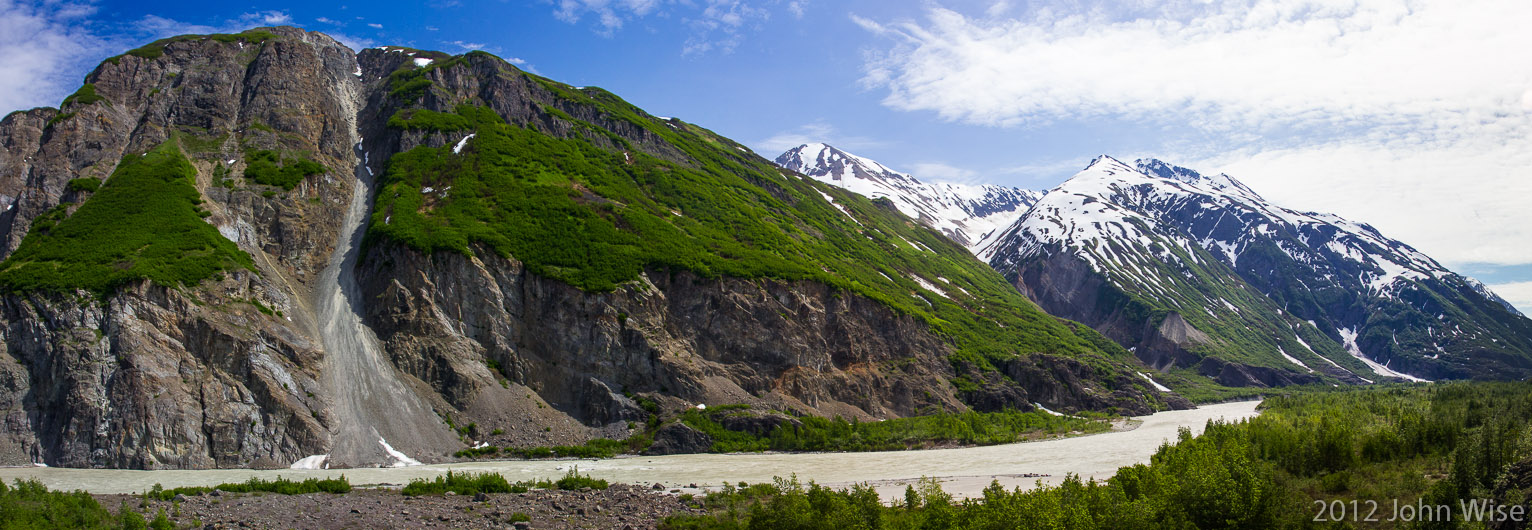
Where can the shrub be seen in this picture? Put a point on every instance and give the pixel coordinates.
(574, 480)
(84, 184)
(462, 484)
(84, 96)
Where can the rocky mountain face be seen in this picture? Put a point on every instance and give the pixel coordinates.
(971, 215)
(1199, 273)
(263, 249)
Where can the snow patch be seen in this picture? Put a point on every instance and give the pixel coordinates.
(422, 61)
(1157, 385)
(400, 459)
(1348, 336)
(460, 143)
(927, 285)
(312, 462)
(1293, 360)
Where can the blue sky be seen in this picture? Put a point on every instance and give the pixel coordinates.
(1409, 115)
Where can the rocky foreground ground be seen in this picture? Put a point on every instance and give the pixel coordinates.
(618, 507)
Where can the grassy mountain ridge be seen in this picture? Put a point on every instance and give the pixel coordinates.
(591, 190)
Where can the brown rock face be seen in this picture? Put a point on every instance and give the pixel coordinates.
(157, 377)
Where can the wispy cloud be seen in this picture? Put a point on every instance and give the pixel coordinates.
(819, 132)
(942, 171)
(715, 26)
(270, 18)
(1414, 105)
(45, 51)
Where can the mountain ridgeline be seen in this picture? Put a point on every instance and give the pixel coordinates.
(1202, 278)
(1200, 275)
(263, 249)
(971, 215)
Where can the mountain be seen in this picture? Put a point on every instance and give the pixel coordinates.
(263, 249)
(1200, 274)
(968, 214)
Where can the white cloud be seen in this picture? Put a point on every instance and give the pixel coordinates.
(324, 20)
(467, 46)
(1254, 63)
(930, 171)
(1410, 115)
(1519, 294)
(45, 51)
(355, 43)
(796, 8)
(375, 25)
(1462, 201)
(715, 26)
(817, 132)
(270, 18)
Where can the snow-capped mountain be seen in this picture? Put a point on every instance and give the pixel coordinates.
(1200, 272)
(968, 214)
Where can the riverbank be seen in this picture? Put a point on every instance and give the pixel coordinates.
(965, 471)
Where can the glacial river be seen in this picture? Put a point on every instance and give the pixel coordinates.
(962, 471)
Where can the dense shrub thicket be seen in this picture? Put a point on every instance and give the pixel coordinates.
(273, 169)
(1434, 444)
(144, 222)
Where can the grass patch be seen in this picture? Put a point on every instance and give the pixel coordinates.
(156, 49)
(463, 484)
(279, 486)
(57, 118)
(144, 222)
(85, 184)
(84, 96)
(272, 169)
(422, 119)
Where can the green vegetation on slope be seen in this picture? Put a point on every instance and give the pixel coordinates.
(596, 219)
(272, 169)
(144, 222)
(84, 96)
(156, 49)
(1433, 444)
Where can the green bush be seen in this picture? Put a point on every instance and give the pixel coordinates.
(574, 480)
(84, 96)
(462, 484)
(142, 223)
(421, 119)
(272, 169)
(28, 504)
(84, 184)
(280, 486)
